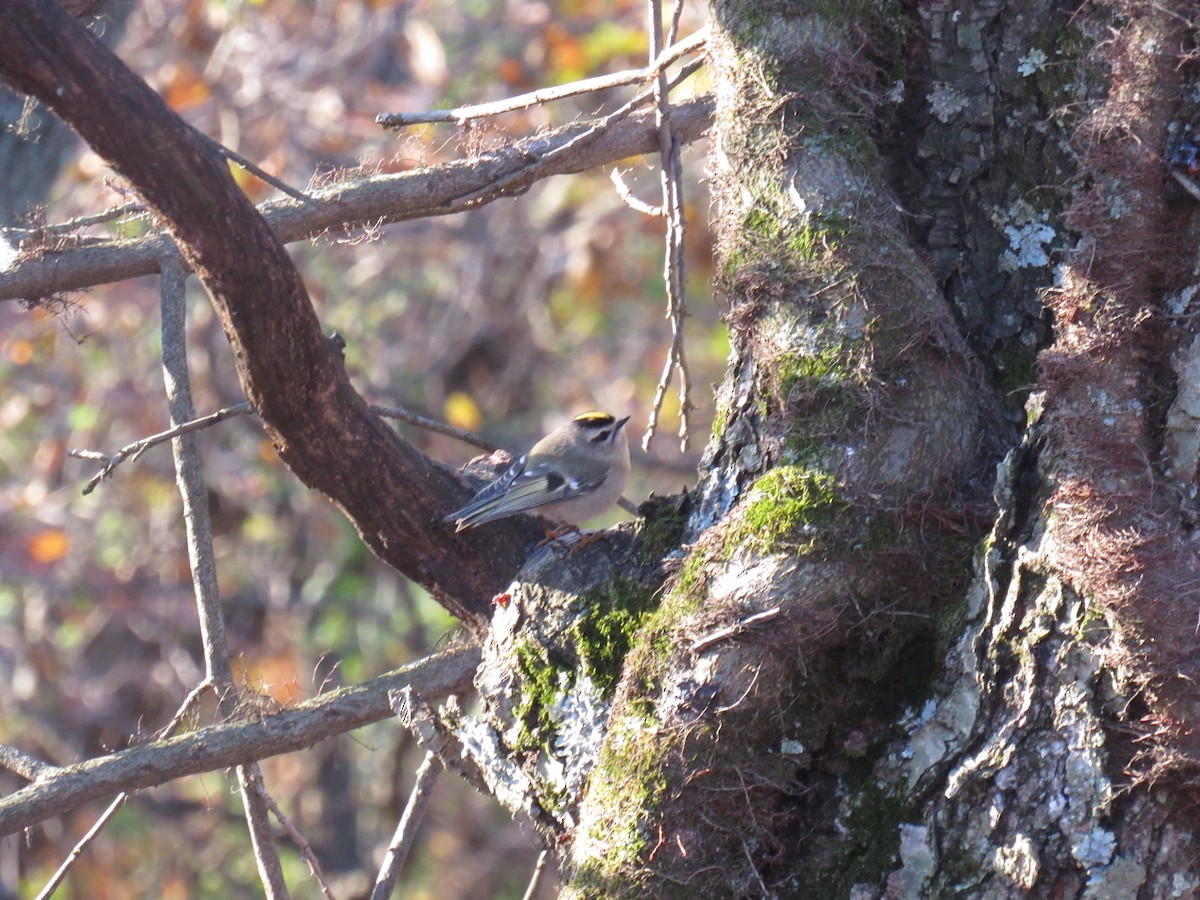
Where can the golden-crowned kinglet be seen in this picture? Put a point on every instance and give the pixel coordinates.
(573, 473)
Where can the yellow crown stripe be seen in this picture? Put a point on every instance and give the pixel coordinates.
(594, 418)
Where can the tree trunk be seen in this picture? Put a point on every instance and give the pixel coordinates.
(814, 710)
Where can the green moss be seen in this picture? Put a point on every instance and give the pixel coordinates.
(786, 507)
(604, 636)
(825, 368)
(661, 528)
(721, 417)
(872, 849)
(629, 780)
(1016, 373)
(769, 234)
(540, 685)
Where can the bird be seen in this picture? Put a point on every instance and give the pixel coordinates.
(572, 474)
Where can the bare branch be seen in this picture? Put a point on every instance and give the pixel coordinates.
(216, 747)
(198, 524)
(141, 445)
(737, 628)
(464, 114)
(253, 169)
(266, 857)
(131, 452)
(538, 871)
(673, 263)
(306, 850)
(56, 879)
(631, 201)
(406, 829)
(20, 762)
(412, 418)
(378, 200)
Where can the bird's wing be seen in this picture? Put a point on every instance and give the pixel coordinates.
(519, 490)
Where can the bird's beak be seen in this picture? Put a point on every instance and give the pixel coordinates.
(621, 423)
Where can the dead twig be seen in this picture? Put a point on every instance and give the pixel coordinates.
(141, 445)
(406, 829)
(464, 114)
(306, 850)
(131, 452)
(538, 871)
(673, 263)
(77, 851)
(202, 559)
(737, 628)
(21, 763)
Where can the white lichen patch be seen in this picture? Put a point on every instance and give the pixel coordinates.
(8, 254)
(1032, 62)
(1183, 419)
(945, 102)
(1018, 862)
(1094, 848)
(506, 781)
(579, 714)
(1029, 233)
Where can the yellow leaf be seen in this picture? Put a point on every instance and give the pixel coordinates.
(462, 412)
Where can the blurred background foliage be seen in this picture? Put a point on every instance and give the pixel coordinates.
(503, 320)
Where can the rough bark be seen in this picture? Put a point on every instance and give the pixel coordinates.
(55, 790)
(800, 753)
(820, 705)
(34, 144)
(1060, 757)
(835, 501)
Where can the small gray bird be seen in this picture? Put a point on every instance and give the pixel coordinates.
(572, 474)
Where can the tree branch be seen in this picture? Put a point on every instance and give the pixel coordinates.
(230, 744)
(319, 425)
(406, 829)
(369, 202)
(463, 114)
(198, 524)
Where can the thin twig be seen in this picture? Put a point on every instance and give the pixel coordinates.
(306, 850)
(631, 201)
(250, 167)
(198, 524)
(737, 628)
(406, 829)
(141, 445)
(673, 263)
(134, 450)
(369, 201)
(135, 208)
(412, 418)
(216, 747)
(538, 871)
(77, 851)
(185, 708)
(529, 171)
(464, 114)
